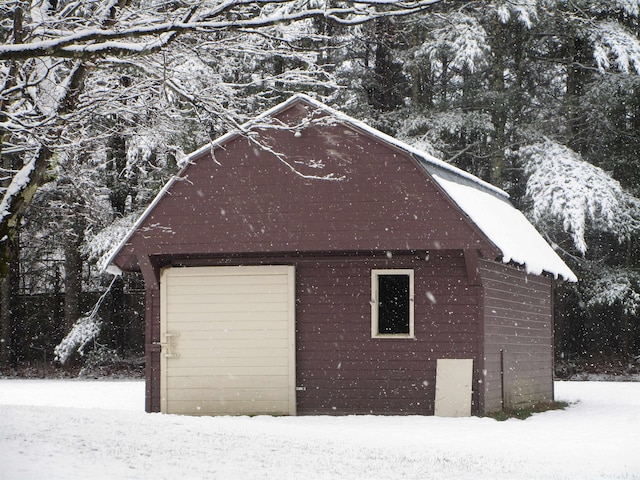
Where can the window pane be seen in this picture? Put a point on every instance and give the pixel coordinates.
(393, 304)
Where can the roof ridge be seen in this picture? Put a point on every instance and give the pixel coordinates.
(424, 156)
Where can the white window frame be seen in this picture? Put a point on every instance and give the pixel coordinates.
(375, 274)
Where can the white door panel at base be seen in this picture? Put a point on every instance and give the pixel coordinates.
(453, 387)
(233, 346)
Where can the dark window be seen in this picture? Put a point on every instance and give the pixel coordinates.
(394, 304)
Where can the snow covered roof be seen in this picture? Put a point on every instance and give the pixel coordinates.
(507, 228)
(487, 206)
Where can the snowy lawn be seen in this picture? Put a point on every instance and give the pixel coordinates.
(73, 429)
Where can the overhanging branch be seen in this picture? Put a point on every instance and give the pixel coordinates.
(89, 43)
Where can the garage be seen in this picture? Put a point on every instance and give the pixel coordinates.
(412, 278)
(228, 340)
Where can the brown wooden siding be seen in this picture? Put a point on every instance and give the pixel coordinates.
(340, 368)
(518, 330)
(247, 200)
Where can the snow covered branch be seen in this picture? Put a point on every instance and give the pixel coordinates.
(151, 32)
(562, 186)
(612, 42)
(84, 330)
(616, 287)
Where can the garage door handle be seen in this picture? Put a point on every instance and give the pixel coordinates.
(168, 345)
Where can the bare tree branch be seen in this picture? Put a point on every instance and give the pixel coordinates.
(93, 42)
(52, 48)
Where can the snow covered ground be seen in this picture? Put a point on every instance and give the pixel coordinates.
(71, 429)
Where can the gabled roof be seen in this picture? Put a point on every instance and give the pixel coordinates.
(486, 206)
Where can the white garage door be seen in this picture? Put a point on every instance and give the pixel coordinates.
(228, 340)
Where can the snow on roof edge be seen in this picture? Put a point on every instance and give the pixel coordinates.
(108, 266)
(507, 228)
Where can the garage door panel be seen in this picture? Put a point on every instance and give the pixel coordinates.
(216, 407)
(251, 344)
(251, 308)
(219, 361)
(181, 290)
(224, 320)
(258, 298)
(219, 386)
(227, 327)
(235, 273)
(187, 276)
(233, 371)
(222, 335)
(231, 352)
(232, 340)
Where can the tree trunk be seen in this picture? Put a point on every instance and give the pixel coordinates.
(386, 82)
(9, 304)
(119, 329)
(499, 107)
(444, 81)
(576, 79)
(120, 190)
(72, 284)
(421, 86)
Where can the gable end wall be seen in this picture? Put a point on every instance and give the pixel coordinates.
(247, 200)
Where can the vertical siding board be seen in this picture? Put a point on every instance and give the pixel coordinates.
(518, 320)
(553, 330)
(480, 370)
(149, 320)
(152, 351)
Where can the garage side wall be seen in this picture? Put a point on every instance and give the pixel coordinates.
(518, 327)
